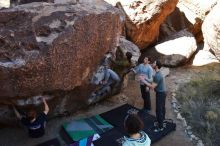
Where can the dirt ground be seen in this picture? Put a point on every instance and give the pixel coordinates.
(131, 94)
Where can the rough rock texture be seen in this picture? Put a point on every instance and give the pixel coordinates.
(199, 7)
(54, 48)
(144, 18)
(187, 15)
(114, 2)
(211, 31)
(20, 2)
(127, 46)
(176, 50)
(204, 57)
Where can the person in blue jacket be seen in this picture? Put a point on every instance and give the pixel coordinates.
(146, 71)
(112, 80)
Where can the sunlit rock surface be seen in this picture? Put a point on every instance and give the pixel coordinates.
(175, 50)
(143, 18)
(189, 14)
(204, 57)
(211, 31)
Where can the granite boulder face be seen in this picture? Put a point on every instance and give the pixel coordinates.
(211, 32)
(20, 2)
(143, 19)
(50, 48)
(189, 14)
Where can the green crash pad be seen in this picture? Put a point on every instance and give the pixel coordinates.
(83, 128)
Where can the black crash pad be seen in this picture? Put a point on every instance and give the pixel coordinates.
(116, 118)
(52, 142)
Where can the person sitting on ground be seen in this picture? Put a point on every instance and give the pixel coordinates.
(134, 125)
(34, 123)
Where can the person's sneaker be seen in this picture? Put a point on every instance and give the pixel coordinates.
(158, 129)
(156, 124)
(164, 124)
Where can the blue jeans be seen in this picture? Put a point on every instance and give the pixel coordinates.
(160, 108)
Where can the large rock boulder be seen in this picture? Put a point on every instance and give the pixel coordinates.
(144, 18)
(175, 50)
(13, 3)
(211, 31)
(187, 15)
(199, 7)
(54, 48)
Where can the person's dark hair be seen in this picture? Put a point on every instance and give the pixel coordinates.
(141, 59)
(31, 114)
(133, 124)
(129, 56)
(149, 59)
(158, 64)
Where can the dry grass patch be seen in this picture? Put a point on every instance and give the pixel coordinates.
(200, 105)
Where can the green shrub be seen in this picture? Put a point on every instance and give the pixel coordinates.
(200, 101)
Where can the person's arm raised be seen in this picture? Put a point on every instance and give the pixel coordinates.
(18, 115)
(46, 107)
(135, 69)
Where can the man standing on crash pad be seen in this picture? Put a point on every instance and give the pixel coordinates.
(160, 89)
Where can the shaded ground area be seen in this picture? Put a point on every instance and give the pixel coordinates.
(16, 136)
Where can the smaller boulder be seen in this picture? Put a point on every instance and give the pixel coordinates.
(127, 46)
(176, 50)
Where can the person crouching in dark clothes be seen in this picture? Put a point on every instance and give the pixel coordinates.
(35, 123)
(160, 89)
(122, 65)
